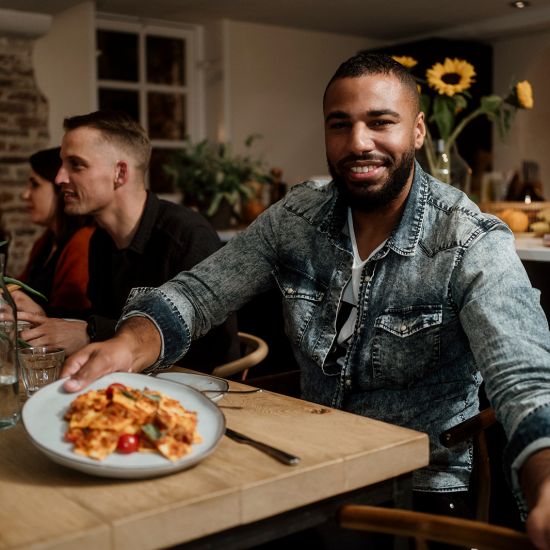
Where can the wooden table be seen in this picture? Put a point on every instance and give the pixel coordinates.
(237, 493)
(532, 249)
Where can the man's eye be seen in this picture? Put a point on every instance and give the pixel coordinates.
(338, 125)
(381, 123)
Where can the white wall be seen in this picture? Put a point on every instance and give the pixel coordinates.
(525, 57)
(275, 83)
(270, 80)
(64, 62)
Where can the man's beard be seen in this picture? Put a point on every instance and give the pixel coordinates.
(361, 197)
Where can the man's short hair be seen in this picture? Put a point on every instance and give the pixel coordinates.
(118, 128)
(364, 64)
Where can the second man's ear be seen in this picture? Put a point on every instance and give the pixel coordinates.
(121, 173)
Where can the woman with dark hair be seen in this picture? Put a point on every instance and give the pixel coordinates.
(58, 263)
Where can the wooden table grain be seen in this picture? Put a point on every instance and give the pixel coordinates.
(45, 505)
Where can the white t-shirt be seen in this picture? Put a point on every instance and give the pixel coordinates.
(350, 296)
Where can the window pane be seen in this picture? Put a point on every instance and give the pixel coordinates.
(165, 60)
(159, 182)
(117, 56)
(166, 114)
(120, 100)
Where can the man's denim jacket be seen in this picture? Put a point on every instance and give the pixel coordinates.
(445, 300)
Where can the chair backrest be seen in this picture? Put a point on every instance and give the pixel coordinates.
(254, 350)
(474, 428)
(430, 527)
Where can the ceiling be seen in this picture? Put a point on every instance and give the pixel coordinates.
(389, 20)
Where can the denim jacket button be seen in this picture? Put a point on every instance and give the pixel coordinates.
(403, 328)
(290, 291)
(348, 382)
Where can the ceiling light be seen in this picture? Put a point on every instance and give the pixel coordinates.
(520, 4)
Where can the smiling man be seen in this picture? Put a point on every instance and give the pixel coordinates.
(399, 296)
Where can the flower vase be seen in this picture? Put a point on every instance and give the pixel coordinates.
(447, 165)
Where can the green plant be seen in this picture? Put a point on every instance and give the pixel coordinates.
(11, 280)
(207, 173)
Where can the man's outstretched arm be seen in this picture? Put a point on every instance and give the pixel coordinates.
(135, 346)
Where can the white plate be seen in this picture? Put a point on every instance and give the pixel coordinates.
(43, 419)
(200, 382)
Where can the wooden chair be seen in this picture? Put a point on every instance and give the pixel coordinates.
(430, 527)
(474, 428)
(253, 350)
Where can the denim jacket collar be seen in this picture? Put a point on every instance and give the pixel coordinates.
(406, 235)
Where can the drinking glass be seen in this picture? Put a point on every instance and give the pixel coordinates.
(40, 366)
(9, 382)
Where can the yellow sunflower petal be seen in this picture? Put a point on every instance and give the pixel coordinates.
(451, 77)
(405, 60)
(524, 94)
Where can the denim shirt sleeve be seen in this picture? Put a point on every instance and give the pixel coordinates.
(194, 301)
(508, 334)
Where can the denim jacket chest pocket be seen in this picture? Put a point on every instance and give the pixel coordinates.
(302, 296)
(406, 344)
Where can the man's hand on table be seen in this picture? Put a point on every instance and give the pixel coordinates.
(535, 481)
(48, 331)
(135, 346)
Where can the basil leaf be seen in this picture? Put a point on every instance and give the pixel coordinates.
(152, 397)
(151, 431)
(128, 395)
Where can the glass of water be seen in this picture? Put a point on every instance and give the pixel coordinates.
(40, 366)
(9, 384)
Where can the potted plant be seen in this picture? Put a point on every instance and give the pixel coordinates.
(215, 180)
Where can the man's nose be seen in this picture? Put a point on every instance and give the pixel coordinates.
(61, 177)
(25, 195)
(361, 139)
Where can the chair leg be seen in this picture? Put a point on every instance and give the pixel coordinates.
(482, 471)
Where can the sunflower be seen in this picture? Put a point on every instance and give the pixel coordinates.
(451, 77)
(524, 94)
(405, 60)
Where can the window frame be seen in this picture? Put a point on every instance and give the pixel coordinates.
(193, 90)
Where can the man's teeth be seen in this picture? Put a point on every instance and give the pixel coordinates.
(362, 169)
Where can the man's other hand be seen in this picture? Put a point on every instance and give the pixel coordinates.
(535, 481)
(135, 346)
(47, 331)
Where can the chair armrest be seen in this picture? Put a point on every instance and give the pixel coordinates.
(421, 526)
(467, 429)
(249, 360)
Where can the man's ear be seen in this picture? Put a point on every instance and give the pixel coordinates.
(419, 130)
(121, 173)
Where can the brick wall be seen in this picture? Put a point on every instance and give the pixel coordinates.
(23, 130)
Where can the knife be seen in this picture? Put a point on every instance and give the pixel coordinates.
(279, 455)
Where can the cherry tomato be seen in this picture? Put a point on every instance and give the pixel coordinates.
(112, 387)
(128, 443)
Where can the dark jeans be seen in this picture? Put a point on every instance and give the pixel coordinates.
(460, 504)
